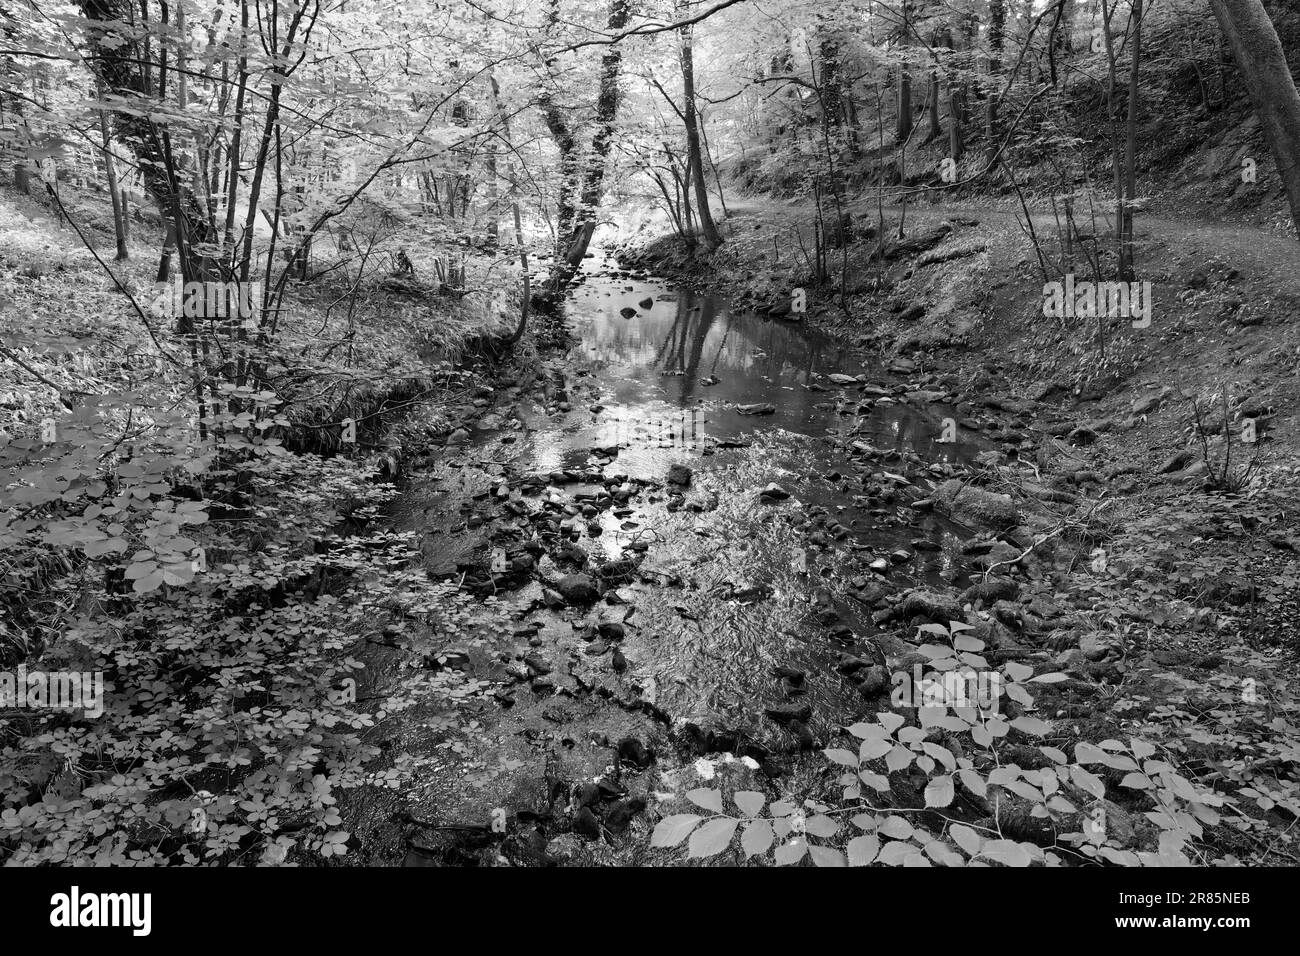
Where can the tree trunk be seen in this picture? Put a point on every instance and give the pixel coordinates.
(110, 169)
(1258, 52)
(936, 126)
(1130, 147)
(904, 106)
(694, 156)
(904, 128)
(996, 37)
(583, 190)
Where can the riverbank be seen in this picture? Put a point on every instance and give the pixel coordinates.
(1176, 595)
(629, 561)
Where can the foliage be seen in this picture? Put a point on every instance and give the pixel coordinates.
(970, 795)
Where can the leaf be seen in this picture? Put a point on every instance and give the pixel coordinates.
(1088, 781)
(863, 849)
(898, 758)
(1137, 781)
(821, 826)
(757, 838)
(966, 838)
(895, 852)
(873, 749)
(1056, 756)
(896, 828)
(868, 731)
(1017, 671)
(706, 798)
(827, 856)
(891, 722)
(712, 838)
(1031, 725)
(876, 781)
(935, 652)
(791, 852)
(672, 830)
(1054, 678)
(844, 758)
(973, 782)
(1006, 852)
(750, 802)
(942, 754)
(1141, 749)
(940, 791)
(150, 582)
(1085, 752)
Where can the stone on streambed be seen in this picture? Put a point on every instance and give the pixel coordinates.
(761, 408)
(679, 475)
(786, 713)
(577, 589)
(841, 379)
(586, 825)
(620, 815)
(773, 492)
(627, 312)
(934, 607)
(992, 590)
(973, 505)
(632, 751)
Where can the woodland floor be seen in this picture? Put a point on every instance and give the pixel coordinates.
(1199, 596)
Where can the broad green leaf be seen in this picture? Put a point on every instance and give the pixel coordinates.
(1006, 852)
(791, 852)
(939, 792)
(821, 826)
(895, 827)
(706, 798)
(844, 758)
(757, 838)
(750, 802)
(826, 856)
(863, 849)
(672, 830)
(712, 838)
(966, 838)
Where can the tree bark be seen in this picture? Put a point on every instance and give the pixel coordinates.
(996, 38)
(1262, 62)
(1130, 146)
(708, 229)
(583, 189)
(110, 170)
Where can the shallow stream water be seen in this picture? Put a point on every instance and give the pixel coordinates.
(730, 586)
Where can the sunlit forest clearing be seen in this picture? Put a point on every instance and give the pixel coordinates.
(715, 433)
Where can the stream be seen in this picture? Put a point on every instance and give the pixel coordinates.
(706, 588)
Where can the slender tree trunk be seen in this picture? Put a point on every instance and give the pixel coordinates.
(996, 37)
(1130, 146)
(936, 126)
(708, 229)
(1258, 51)
(904, 128)
(584, 188)
(110, 170)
